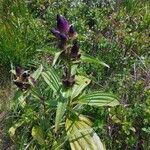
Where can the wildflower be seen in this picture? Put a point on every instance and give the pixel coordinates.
(68, 80)
(62, 24)
(72, 32)
(55, 32)
(75, 51)
(64, 29)
(23, 78)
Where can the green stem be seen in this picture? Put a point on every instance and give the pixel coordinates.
(69, 69)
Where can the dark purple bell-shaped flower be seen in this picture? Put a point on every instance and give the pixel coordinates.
(69, 82)
(75, 51)
(62, 24)
(75, 48)
(64, 30)
(22, 85)
(63, 39)
(59, 35)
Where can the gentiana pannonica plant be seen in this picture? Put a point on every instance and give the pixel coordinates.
(63, 96)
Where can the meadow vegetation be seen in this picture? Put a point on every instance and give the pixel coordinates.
(75, 74)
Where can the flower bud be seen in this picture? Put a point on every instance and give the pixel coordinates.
(72, 32)
(69, 82)
(62, 24)
(75, 51)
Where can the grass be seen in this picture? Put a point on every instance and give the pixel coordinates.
(120, 37)
(21, 34)
(5, 94)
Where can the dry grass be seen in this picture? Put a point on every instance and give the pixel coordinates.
(4, 103)
(5, 95)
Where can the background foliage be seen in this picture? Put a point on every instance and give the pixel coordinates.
(116, 32)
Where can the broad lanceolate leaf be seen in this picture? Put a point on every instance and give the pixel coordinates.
(81, 83)
(98, 99)
(61, 107)
(51, 79)
(82, 136)
(92, 60)
(22, 98)
(56, 57)
(37, 73)
(37, 134)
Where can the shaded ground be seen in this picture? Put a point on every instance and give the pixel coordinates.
(5, 94)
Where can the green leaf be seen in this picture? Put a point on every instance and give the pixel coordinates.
(22, 99)
(51, 79)
(98, 99)
(92, 60)
(61, 108)
(37, 73)
(13, 72)
(55, 146)
(81, 135)
(81, 83)
(37, 134)
(13, 129)
(56, 57)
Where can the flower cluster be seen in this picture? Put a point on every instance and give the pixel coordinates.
(66, 34)
(23, 78)
(67, 79)
(64, 31)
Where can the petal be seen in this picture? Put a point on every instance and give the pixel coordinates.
(26, 74)
(62, 24)
(19, 84)
(55, 32)
(75, 51)
(66, 83)
(18, 71)
(75, 48)
(72, 30)
(25, 86)
(63, 37)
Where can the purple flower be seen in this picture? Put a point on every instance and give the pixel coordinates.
(55, 33)
(62, 24)
(63, 37)
(18, 71)
(25, 74)
(67, 80)
(72, 29)
(23, 78)
(64, 31)
(75, 48)
(75, 51)
(59, 35)
(22, 85)
(63, 27)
